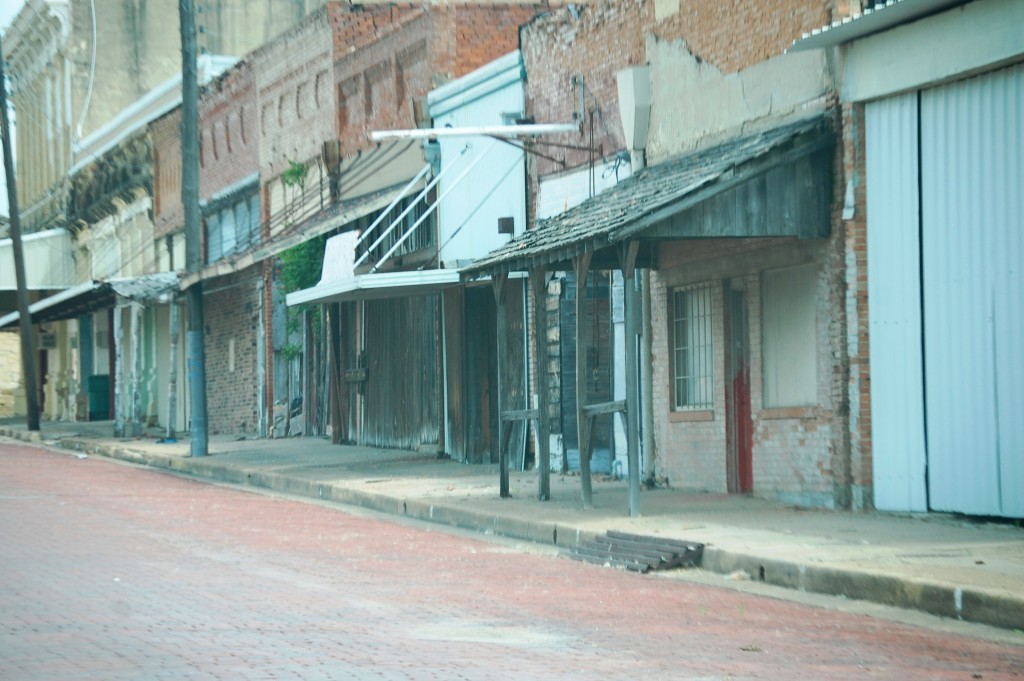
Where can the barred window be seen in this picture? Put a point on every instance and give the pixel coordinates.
(692, 374)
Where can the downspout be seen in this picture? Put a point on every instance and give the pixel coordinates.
(634, 90)
(261, 359)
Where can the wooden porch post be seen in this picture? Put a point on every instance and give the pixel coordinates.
(172, 373)
(537, 281)
(581, 266)
(631, 302)
(136, 309)
(499, 284)
(335, 368)
(116, 343)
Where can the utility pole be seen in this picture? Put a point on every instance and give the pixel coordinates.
(196, 346)
(28, 363)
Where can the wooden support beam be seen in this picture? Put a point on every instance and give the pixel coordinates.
(538, 281)
(604, 408)
(581, 267)
(118, 374)
(499, 283)
(519, 415)
(627, 255)
(172, 374)
(335, 367)
(136, 379)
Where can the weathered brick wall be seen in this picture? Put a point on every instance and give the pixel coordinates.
(571, 59)
(856, 307)
(232, 313)
(10, 371)
(691, 454)
(292, 125)
(377, 83)
(485, 32)
(228, 130)
(165, 135)
(795, 451)
(735, 34)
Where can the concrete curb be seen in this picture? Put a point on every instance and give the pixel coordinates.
(969, 604)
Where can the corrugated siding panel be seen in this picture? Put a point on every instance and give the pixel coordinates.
(403, 386)
(894, 301)
(972, 248)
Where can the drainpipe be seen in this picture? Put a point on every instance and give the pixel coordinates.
(634, 90)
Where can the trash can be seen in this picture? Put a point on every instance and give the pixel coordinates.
(99, 397)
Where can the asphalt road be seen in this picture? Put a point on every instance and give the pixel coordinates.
(115, 572)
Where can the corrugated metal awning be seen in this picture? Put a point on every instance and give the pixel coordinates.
(96, 295)
(880, 18)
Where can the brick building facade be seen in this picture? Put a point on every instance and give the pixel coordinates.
(716, 73)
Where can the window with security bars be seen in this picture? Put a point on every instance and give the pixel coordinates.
(693, 378)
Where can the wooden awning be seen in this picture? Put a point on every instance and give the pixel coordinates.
(773, 183)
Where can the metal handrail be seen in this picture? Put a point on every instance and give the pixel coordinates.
(396, 221)
(432, 206)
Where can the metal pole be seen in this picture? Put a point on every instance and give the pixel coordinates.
(524, 130)
(631, 302)
(28, 364)
(190, 200)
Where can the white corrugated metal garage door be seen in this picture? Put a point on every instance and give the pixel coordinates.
(967, 249)
(972, 181)
(894, 300)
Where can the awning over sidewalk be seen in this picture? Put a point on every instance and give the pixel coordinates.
(96, 295)
(339, 283)
(773, 183)
(371, 286)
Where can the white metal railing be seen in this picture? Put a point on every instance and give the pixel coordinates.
(384, 213)
(432, 206)
(394, 223)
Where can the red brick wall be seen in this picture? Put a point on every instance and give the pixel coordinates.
(735, 34)
(377, 83)
(168, 213)
(856, 301)
(292, 122)
(231, 310)
(561, 51)
(228, 129)
(485, 32)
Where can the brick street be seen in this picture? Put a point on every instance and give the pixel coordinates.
(115, 572)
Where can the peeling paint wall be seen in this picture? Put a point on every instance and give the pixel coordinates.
(694, 100)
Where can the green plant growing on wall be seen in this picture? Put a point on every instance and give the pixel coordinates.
(294, 179)
(299, 268)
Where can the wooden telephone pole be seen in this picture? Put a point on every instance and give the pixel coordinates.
(28, 364)
(196, 347)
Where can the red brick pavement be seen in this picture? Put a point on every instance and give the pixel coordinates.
(113, 572)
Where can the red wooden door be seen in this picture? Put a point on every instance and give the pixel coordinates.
(739, 425)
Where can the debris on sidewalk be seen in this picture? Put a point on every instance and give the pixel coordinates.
(638, 552)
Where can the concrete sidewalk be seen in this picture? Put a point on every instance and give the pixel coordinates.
(940, 564)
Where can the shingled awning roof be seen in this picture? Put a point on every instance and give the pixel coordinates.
(776, 188)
